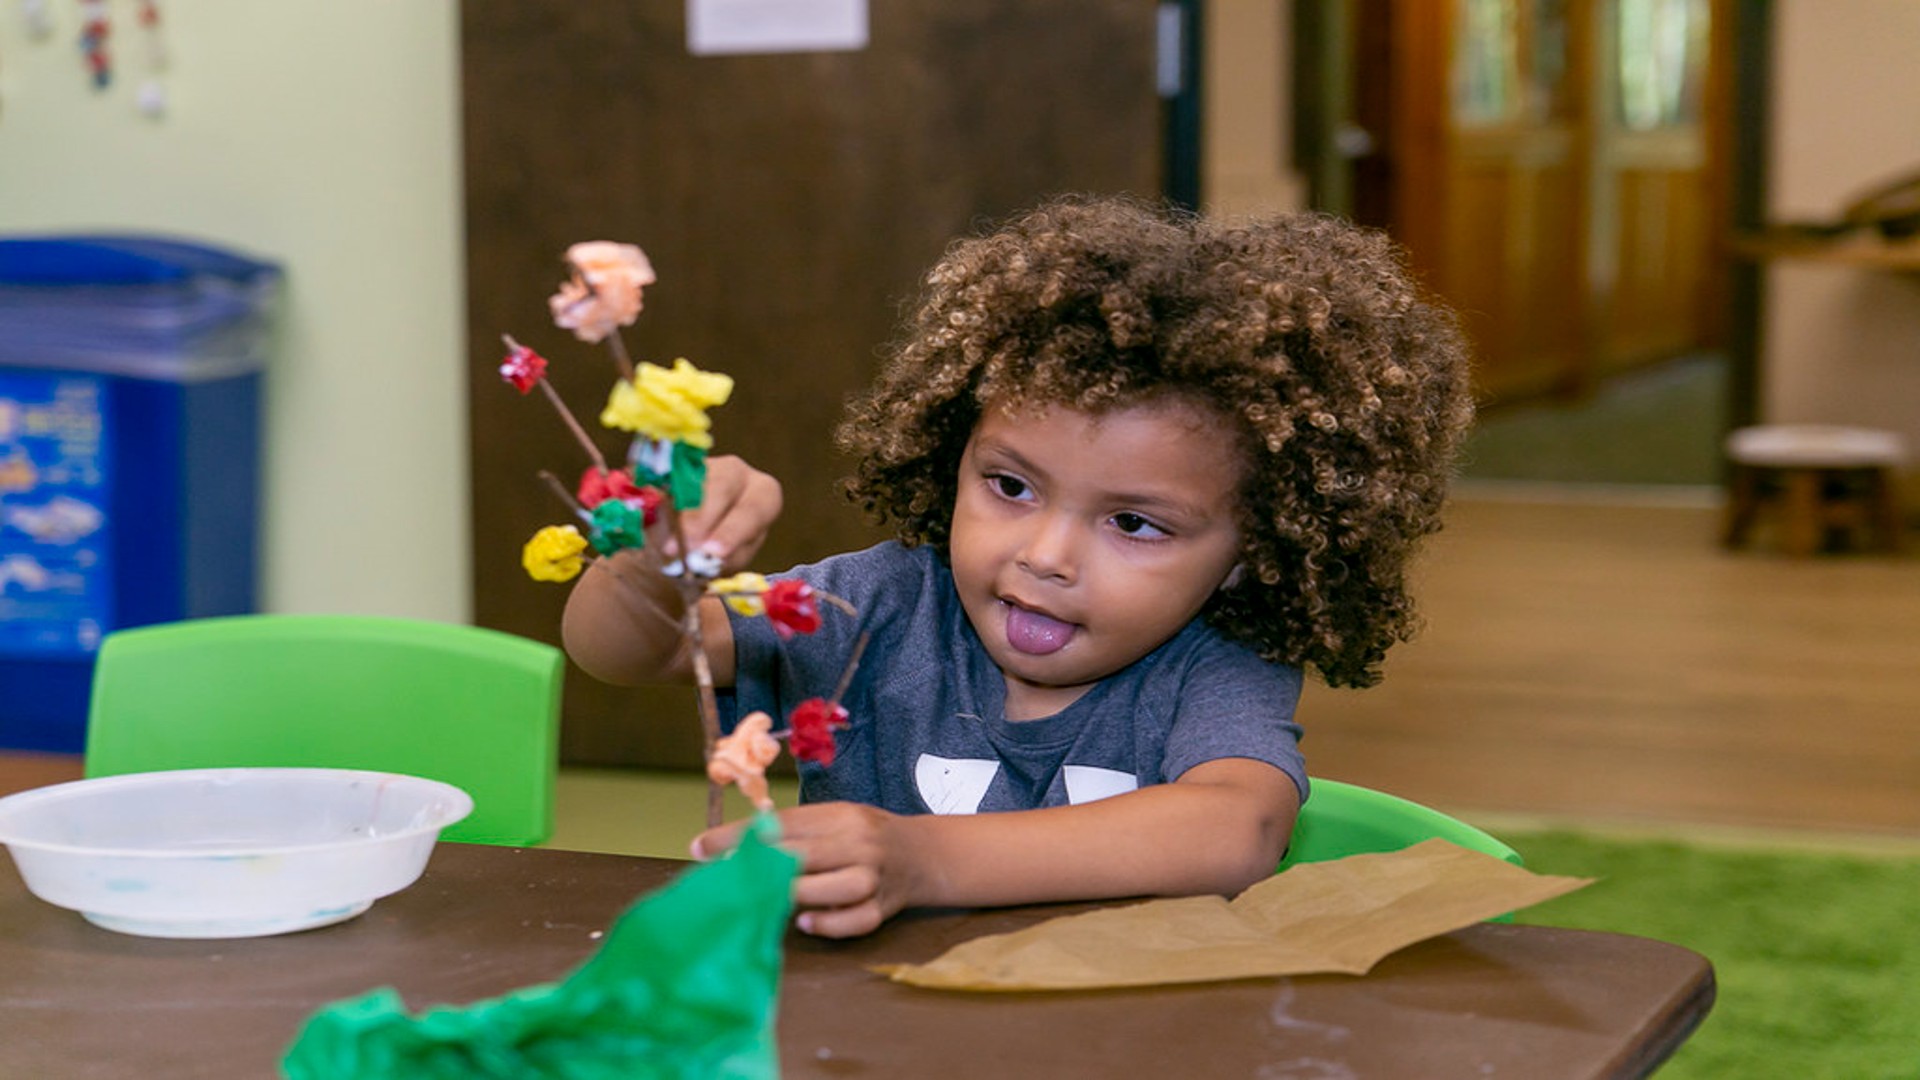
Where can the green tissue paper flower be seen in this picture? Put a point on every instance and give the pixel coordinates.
(617, 526)
(684, 986)
(685, 479)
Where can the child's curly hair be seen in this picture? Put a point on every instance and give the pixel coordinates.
(1349, 388)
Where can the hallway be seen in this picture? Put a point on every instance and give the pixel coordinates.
(1608, 662)
(1661, 424)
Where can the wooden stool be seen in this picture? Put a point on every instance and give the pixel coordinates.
(1830, 483)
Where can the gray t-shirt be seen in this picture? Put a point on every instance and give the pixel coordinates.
(928, 730)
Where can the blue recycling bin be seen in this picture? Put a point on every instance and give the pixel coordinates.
(130, 386)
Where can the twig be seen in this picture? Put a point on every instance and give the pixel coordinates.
(709, 706)
(620, 358)
(560, 407)
(566, 496)
(693, 589)
(853, 663)
(599, 459)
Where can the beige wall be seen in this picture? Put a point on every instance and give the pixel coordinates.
(1842, 345)
(324, 136)
(1247, 163)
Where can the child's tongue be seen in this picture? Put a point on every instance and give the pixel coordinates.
(1034, 633)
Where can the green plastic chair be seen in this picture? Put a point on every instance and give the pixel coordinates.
(1342, 819)
(476, 708)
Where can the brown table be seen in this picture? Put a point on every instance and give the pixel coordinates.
(79, 1002)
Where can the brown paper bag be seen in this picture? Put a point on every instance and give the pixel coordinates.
(1339, 916)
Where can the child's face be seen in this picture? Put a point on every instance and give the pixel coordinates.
(1080, 543)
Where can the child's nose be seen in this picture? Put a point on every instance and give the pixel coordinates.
(1051, 548)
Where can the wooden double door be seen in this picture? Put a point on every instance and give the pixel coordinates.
(1556, 169)
(790, 203)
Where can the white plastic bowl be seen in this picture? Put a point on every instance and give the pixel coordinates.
(223, 853)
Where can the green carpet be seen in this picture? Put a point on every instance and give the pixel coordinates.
(1817, 956)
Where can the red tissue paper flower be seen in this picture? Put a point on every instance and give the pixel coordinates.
(597, 486)
(791, 608)
(523, 368)
(811, 727)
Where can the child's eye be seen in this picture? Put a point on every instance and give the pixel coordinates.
(1136, 526)
(1010, 487)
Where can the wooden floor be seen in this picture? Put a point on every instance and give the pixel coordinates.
(1611, 663)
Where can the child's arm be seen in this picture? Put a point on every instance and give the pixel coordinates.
(1219, 828)
(622, 622)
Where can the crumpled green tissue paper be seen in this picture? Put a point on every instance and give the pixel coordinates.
(683, 986)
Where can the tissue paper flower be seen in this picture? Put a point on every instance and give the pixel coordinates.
(742, 757)
(616, 526)
(605, 290)
(811, 728)
(790, 605)
(523, 368)
(597, 485)
(553, 554)
(791, 608)
(662, 403)
(741, 592)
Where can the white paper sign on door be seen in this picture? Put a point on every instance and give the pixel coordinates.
(732, 27)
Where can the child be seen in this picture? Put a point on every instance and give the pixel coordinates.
(1143, 468)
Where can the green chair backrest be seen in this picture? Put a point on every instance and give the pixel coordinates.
(1346, 819)
(476, 708)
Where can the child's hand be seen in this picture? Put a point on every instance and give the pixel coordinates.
(623, 619)
(856, 866)
(739, 506)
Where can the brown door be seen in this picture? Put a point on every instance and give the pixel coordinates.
(1549, 167)
(789, 203)
(1659, 178)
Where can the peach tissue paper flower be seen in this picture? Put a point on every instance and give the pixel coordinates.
(554, 553)
(604, 292)
(742, 758)
(672, 404)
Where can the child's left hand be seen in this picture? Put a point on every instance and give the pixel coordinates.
(856, 867)
(741, 504)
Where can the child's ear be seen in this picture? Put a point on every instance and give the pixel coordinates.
(1234, 576)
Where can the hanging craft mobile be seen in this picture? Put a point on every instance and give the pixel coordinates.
(94, 30)
(664, 411)
(151, 99)
(39, 20)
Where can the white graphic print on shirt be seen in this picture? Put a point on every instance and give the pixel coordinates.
(956, 785)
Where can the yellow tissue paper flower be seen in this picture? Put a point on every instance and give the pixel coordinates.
(738, 583)
(553, 554)
(741, 592)
(668, 404)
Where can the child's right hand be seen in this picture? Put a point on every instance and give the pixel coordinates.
(858, 864)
